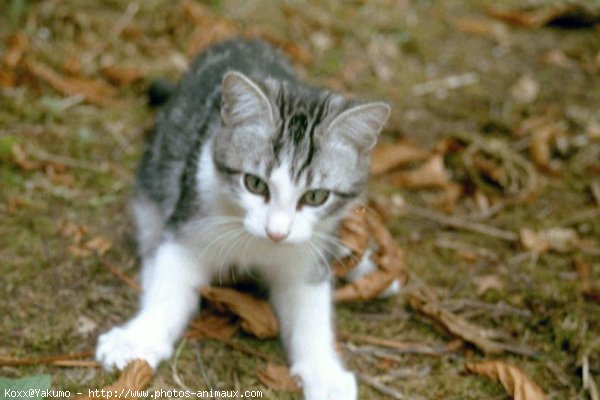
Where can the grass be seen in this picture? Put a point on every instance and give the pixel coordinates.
(46, 289)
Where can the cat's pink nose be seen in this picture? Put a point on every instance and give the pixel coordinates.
(277, 236)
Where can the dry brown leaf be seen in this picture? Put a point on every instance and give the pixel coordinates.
(209, 30)
(293, 50)
(488, 282)
(388, 257)
(212, 325)
(99, 244)
(355, 236)
(589, 288)
(561, 240)
(432, 174)
(257, 315)
(546, 14)
(94, 91)
(525, 90)
(7, 78)
(386, 157)
(79, 251)
(73, 231)
(481, 338)
(134, 378)
(446, 200)
(21, 159)
(122, 76)
(514, 380)
(484, 27)
(277, 377)
(17, 45)
(540, 146)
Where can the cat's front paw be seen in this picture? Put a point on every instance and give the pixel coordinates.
(122, 345)
(325, 381)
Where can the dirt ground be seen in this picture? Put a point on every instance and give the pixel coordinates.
(523, 99)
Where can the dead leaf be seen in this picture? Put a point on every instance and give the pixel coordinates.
(293, 50)
(589, 288)
(17, 45)
(209, 30)
(540, 147)
(135, 377)
(561, 240)
(386, 157)
(483, 27)
(85, 325)
(488, 282)
(566, 15)
(525, 90)
(425, 303)
(389, 259)
(514, 380)
(212, 325)
(94, 91)
(71, 230)
(432, 174)
(354, 235)
(277, 377)
(122, 76)
(13, 204)
(79, 251)
(99, 244)
(21, 159)
(447, 199)
(257, 315)
(7, 78)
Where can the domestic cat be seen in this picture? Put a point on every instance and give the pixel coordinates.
(248, 167)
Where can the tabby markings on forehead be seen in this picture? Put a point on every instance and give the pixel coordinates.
(295, 138)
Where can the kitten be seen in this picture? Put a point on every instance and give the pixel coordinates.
(248, 167)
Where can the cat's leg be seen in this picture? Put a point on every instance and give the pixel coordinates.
(305, 316)
(365, 267)
(170, 279)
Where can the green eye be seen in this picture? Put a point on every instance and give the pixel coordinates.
(315, 198)
(256, 185)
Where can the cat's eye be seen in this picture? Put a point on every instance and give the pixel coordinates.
(256, 185)
(314, 198)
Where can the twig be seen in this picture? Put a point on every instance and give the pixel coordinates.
(77, 363)
(240, 347)
(581, 216)
(588, 379)
(454, 245)
(402, 347)
(51, 360)
(205, 379)
(499, 308)
(461, 223)
(120, 275)
(380, 387)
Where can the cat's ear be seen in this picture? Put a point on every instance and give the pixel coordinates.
(361, 125)
(243, 101)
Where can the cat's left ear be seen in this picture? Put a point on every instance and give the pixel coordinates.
(243, 101)
(361, 125)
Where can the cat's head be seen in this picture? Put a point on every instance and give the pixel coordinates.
(292, 159)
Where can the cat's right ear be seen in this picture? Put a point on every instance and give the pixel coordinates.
(243, 102)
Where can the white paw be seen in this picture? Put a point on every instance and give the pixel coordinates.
(325, 381)
(121, 345)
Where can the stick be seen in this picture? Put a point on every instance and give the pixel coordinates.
(460, 223)
(121, 276)
(380, 387)
(400, 346)
(61, 360)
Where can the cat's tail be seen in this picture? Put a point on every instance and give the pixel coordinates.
(159, 92)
